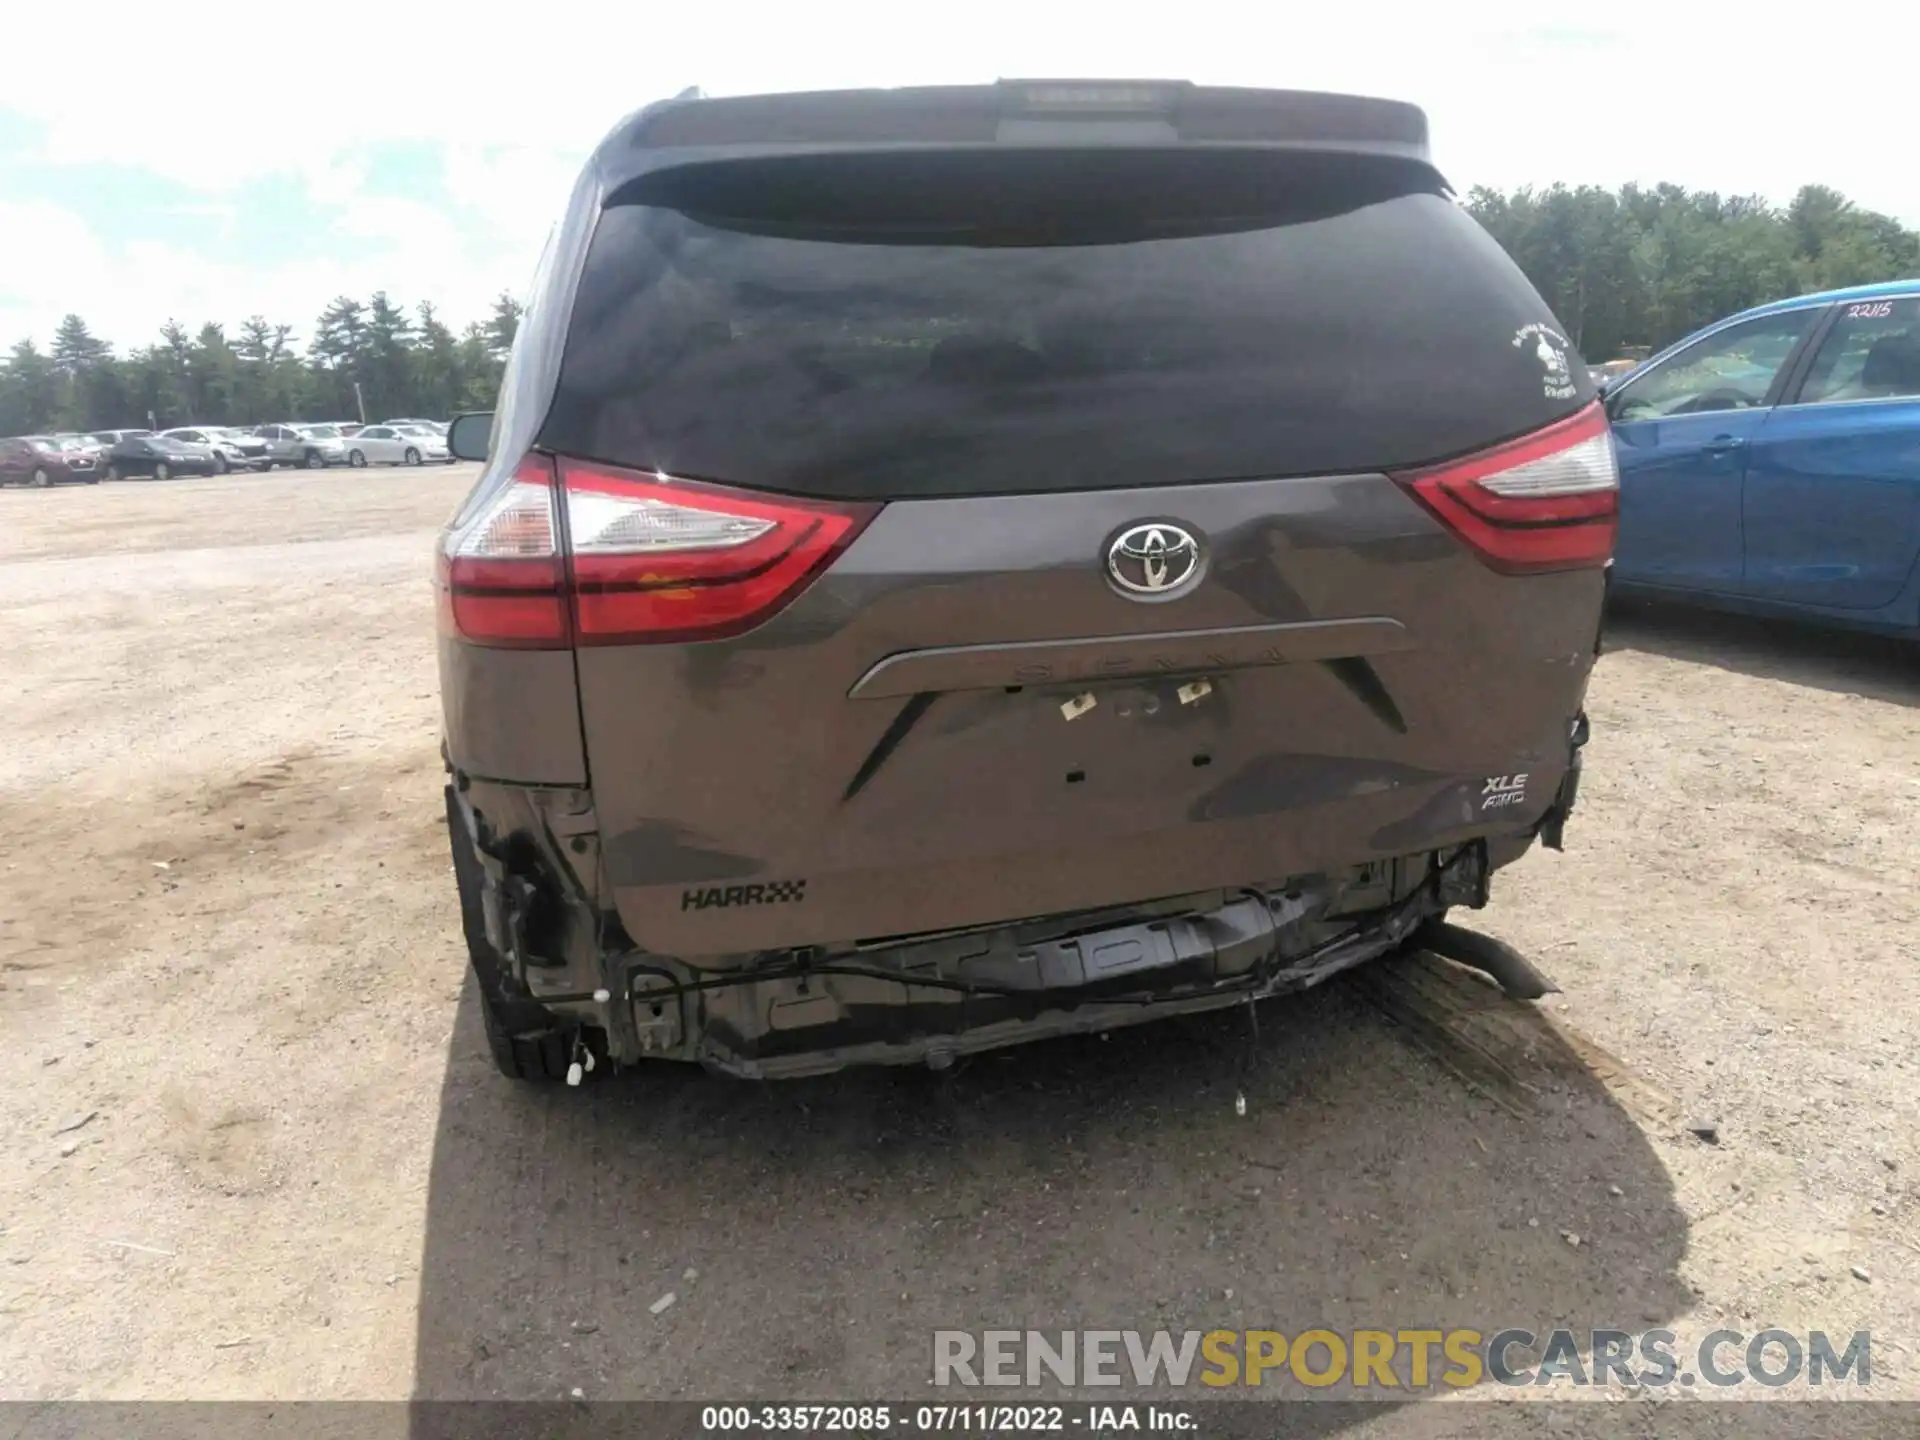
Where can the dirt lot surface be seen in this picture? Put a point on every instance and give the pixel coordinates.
(252, 1146)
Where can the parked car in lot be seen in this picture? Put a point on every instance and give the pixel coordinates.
(439, 427)
(397, 445)
(107, 439)
(312, 447)
(160, 457)
(1771, 463)
(232, 449)
(43, 460)
(1055, 637)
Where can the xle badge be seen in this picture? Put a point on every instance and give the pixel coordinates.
(720, 897)
(1500, 791)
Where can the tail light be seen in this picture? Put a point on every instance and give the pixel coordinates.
(1547, 501)
(501, 575)
(574, 553)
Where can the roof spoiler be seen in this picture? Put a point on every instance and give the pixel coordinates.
(1014, 112)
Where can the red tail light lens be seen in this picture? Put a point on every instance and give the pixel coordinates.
(654, 559)
(1547, 501)
(500, 575)
(645, 558)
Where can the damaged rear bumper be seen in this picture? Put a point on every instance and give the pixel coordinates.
(930, 1000)
(526, 860)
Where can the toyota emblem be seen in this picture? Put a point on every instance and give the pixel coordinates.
(1153, 560)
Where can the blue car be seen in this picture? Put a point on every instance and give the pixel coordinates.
(1771, 462)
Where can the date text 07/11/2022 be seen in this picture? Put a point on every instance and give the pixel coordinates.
(937, 1419)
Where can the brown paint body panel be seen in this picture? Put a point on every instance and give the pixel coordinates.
(511, 714)
(729, 764)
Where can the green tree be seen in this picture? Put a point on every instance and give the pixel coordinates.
(214, 371)
(479, 370)
(271, 382)
(387, 373)
(338, 354)
(503, 325)
(436, 366)
(1643, 267)
(29, 390)
(75, 348)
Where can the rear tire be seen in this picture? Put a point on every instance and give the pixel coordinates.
(41, 480)
(357, 460)
(163, 471)
(220, 466)
(412, 457)
(313, 460)
(113, 474)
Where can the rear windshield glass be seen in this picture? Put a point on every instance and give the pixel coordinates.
(898, 326)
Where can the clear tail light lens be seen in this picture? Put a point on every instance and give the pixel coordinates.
(1547, 501)
(501, 574)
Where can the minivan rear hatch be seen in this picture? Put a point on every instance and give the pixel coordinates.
(974, 534)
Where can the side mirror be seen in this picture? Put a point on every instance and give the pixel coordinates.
(470, 436)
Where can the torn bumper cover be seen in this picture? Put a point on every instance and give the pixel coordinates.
(1553, 824)
(931, 999)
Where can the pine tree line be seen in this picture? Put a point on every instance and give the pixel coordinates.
(1644, 267)
(404, 364)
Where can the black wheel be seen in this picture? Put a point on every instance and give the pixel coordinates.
(113, 473)
(220, 466)
(163, 471)
(356, 459)
(314, 460)
(524, 1039)
(412, 457)
(41, 480)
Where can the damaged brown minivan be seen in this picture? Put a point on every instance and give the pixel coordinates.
(957, 566)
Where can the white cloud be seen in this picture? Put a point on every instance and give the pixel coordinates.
(1689, 93)
(126, 294)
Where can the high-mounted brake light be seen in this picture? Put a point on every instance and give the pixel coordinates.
(1095, 96)
(1547, 501)
(645, 558)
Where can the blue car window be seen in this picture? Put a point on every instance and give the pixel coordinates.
(1732, 369)
(1872, 353)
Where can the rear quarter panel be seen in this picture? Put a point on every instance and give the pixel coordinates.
(511, 715)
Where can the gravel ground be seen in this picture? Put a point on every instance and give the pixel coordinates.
(253, 1147)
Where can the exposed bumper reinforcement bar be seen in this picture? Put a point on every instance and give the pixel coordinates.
(812, 1014)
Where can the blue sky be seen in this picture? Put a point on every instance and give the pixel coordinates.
(432, 158)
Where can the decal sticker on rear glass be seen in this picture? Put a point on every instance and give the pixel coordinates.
(1552, 350)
